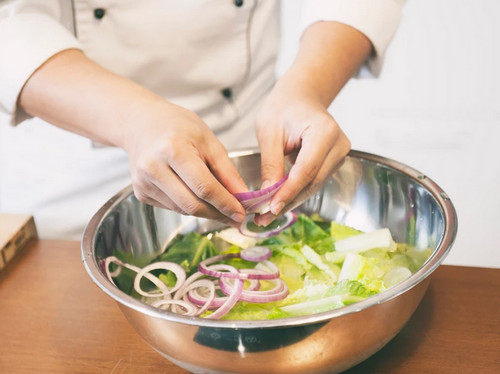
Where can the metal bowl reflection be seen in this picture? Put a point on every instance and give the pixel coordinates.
(366, 192)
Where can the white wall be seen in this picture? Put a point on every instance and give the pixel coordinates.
(436, 107)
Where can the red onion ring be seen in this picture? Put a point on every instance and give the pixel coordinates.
(179, 272)
(207, 284)
(258, 201)
(232, 299)
(187, 293)
(256, 253)
(279, 292)
(289, 219)
(190, 309)
(205, 269)
(195, 297)
(155, 280)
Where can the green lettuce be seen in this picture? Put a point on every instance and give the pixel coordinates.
(190, 251)
(318, 277)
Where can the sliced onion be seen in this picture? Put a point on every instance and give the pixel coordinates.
(279, 292)
(115, 260)
(194, 296)
(256, 253)
(207, 285)
(183, 289)
(283, 222)
(268, 266)
(156, 281)
(190, 309)
(258, 201)
(254, 284)
(179, 272)
(217, 273)
(232, 299)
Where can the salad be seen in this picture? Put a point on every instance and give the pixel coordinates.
(311, 266)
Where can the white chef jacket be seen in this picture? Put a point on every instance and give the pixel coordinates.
(214, 57)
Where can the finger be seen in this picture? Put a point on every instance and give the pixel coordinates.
(327, 171)
(158, 198)
(196, 175)
(320, 152)
(152, 195)
(186, 202)
(272, 162)
(224, 170)
(309, 160)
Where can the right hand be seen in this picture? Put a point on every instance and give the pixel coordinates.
(177, 163)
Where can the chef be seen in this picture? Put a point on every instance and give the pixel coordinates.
(163, 88)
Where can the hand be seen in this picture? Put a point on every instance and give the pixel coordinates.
(177, 163)
(295, 123)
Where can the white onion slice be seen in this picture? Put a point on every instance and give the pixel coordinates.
(285, 221)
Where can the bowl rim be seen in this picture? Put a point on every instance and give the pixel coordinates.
(437, 257)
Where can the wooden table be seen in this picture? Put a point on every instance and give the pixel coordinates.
(53, 319)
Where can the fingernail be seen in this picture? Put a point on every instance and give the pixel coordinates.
(238, 217)
(277, 208)
(264, 222)
(265, 184)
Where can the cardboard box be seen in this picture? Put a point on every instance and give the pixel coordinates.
(16, 230)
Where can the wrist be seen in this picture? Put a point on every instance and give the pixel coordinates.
(141, 112)
(330, 53)
(302, 83)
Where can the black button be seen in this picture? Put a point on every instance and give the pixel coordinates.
(227, 93)
(238, 2)
(99, 13)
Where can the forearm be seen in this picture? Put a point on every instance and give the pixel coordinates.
(329, 54)
(76, 94)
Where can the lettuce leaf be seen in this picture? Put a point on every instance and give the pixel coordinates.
(252, 311)
(190, 251)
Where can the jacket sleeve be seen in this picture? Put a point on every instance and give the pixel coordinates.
(378, 20)
(29, 36)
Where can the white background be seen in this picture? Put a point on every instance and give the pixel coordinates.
(436, 107)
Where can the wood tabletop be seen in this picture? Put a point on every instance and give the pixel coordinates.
(54, 319)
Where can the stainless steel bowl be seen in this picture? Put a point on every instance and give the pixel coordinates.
(366, 192)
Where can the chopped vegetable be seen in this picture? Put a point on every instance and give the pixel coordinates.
(249, 228)
(359, 243)
(316, 260)
(259, 201)
(256, 253)
(309, 267)
(233, 236)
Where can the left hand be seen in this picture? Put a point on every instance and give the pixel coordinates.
(296, 124)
